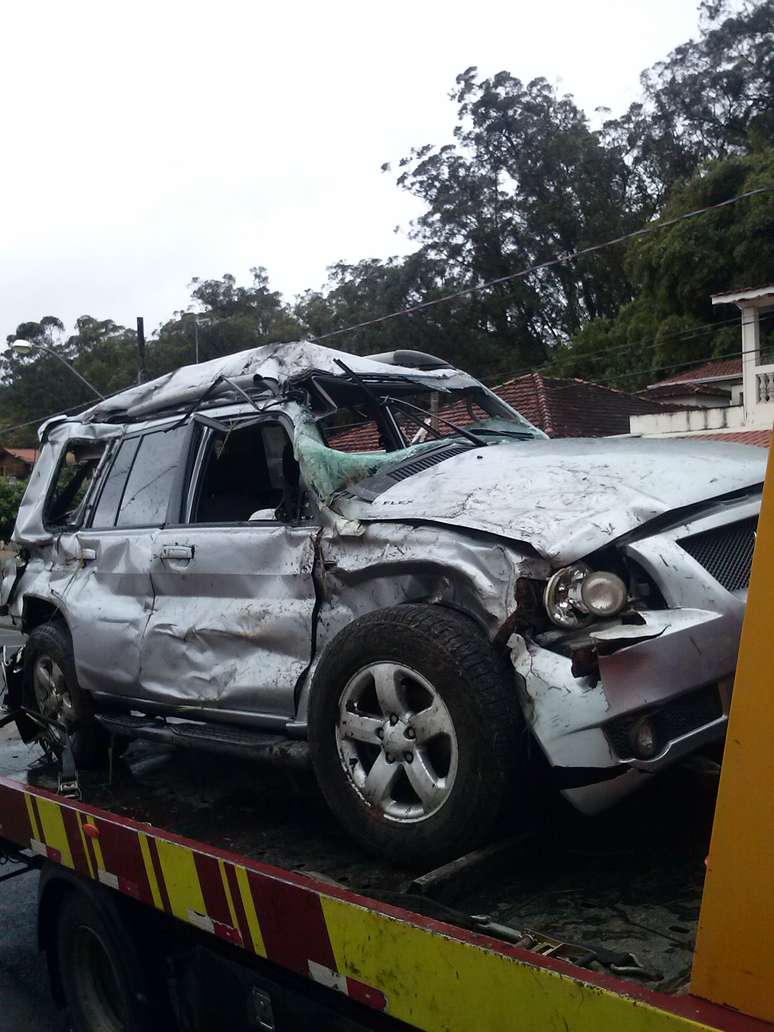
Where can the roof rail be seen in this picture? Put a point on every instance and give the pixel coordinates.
(412, 359)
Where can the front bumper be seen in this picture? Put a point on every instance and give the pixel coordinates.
(681, 675)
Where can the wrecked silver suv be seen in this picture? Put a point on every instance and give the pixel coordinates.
(378, 557)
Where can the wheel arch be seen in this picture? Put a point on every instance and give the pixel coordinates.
(37, 610)
(476, 618)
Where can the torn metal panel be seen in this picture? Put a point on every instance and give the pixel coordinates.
(388, 564)
(279, 362)
(30, 528)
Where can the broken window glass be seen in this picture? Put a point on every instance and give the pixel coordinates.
(115, 482)
(66, 501)
(148, 490)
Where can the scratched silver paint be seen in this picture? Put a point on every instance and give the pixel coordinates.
(236, 633)
(567, 498)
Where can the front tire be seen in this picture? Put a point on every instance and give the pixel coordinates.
(414, 733)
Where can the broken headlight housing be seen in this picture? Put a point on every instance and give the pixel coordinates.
(576, 595)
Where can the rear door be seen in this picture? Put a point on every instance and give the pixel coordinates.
(231, 629)
(110, 601)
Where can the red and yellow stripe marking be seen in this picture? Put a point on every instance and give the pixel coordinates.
(430, 975)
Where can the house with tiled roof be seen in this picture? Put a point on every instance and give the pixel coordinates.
(17, 462)
(572, 407)
(558, 407)
(710, 385)
(730, 399)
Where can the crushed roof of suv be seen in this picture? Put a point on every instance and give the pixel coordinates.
(281, 363)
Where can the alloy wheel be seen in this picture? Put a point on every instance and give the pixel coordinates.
(396, 741)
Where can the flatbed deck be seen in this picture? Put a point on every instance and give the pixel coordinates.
(629, 882)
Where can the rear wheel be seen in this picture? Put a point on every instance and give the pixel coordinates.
(51, 689)
(101, 977)
(414, 733)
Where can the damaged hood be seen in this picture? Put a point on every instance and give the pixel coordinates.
(567, 498)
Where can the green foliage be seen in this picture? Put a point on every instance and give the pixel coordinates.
(672, 322)
(525, 179)
(11, 492)
(709, 99)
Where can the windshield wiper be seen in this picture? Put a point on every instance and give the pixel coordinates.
(384, 402)
(522, 435)
(435, 415)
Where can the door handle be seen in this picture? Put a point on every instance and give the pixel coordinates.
(181, 553)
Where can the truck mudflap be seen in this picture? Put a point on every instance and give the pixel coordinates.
(427, 973)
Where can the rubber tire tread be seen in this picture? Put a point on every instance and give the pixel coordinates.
(491, 713)
(89, 742)
(75, 910)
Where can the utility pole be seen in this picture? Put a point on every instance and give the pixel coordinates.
(141, 371)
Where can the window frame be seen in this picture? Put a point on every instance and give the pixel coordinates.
(87, 502)
(198, 464)
(174, 504)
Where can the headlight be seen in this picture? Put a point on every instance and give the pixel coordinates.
(577, 594)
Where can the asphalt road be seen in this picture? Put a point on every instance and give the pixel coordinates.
(24, 998)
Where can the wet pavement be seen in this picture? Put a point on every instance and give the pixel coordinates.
(26, 1003)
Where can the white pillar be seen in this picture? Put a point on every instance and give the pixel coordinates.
(750, 359)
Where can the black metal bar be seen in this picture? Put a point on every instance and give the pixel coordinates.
(142, 373)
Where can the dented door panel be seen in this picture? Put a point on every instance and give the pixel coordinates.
(107, 600)
(231, 627)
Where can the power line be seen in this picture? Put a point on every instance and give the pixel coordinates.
(42, 419)
(538, 267)
(702, 329)
(673, 365)
(63, 412)
(656, 342)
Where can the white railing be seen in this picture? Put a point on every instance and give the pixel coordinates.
(764, 384)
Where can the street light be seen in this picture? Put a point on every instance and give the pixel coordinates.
(198, 321)
(24, 347)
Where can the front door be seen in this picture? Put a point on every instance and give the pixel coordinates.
(231, 629)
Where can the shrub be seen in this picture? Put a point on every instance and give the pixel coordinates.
(11, 492)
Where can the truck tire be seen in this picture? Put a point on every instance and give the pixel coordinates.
(51, 688)
(414, 733)
(100, 973)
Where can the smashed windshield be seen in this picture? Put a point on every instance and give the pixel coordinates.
(397, 415)
(370, 426)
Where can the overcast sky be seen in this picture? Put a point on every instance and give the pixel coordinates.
(147, 143)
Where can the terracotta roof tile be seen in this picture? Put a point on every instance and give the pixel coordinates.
(757, 438)
(677, 390)
(575, 408)
(559, 407)
(721, 367)
(25, 454)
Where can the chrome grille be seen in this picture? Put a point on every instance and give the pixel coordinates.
(725, 552)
